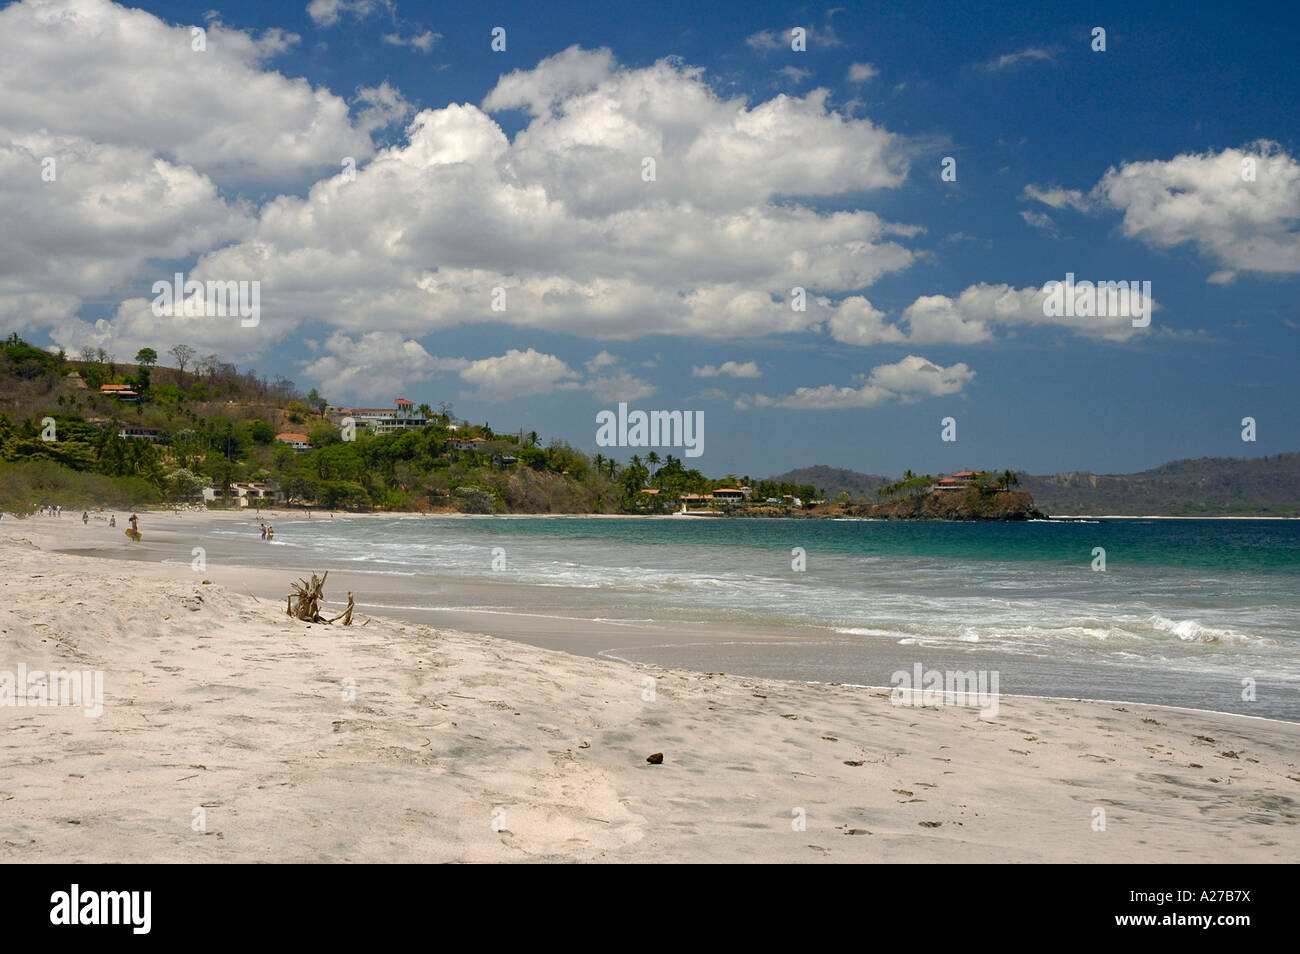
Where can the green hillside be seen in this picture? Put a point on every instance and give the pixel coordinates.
(208, 425)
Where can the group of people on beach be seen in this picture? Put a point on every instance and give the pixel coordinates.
(51, 510)
(268, 533)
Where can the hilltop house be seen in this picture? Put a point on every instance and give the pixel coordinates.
(469, 443)
(958, 481)
(149, 434)
(298, 442)
(402, 416)
(121, 392)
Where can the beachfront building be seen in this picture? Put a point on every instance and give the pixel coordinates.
(402, 416)
(254, 492)
(297, 441)
(731, 495)
(248, 493)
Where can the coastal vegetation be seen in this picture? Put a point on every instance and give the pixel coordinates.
(163, 435)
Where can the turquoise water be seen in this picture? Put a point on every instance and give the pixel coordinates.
(1183, 612)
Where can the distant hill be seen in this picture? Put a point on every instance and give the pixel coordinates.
(1208, 486)
(832, 481)
(1265, 486)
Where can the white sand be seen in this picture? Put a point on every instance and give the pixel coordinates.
(218, 702)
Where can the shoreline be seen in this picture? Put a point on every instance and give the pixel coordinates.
(553, 616)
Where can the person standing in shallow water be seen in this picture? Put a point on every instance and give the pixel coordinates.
(263, 531)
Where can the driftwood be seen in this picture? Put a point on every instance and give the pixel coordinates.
(304, 602)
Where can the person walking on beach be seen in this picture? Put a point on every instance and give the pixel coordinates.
(263, 531)
(270, 533)
(112, 521)
(134, 532)
(85, 517)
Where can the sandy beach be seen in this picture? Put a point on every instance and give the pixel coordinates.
(233, 733)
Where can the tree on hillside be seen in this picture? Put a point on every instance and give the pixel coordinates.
(632, 481)
(146, 357)
(183, 354)
(88, 354)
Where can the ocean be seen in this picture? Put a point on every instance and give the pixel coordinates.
(1198, 613)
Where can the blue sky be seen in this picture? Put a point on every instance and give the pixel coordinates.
(522, 169)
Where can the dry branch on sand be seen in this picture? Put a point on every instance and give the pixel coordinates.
(305, 600)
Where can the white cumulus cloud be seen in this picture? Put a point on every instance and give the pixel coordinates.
(732, 369)
(906, 381)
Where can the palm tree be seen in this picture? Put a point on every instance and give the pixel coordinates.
(652, 459)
